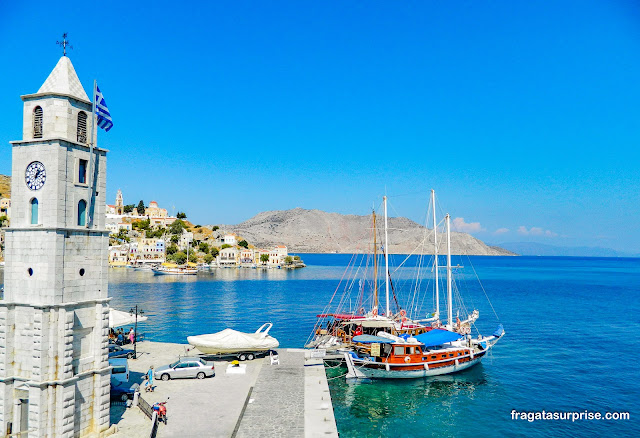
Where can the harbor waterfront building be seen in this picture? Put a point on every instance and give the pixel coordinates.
(5, 207)
(54, 319)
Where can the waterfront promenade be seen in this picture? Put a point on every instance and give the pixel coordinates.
(289, 399)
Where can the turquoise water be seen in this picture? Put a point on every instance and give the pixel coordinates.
(572, 341)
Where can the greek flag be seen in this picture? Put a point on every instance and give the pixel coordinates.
(104, 118)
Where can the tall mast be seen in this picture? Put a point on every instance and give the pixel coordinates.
(386, 256)
(449, 294)
(375, 264)
(435, 253)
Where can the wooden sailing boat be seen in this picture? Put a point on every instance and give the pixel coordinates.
(394, 346)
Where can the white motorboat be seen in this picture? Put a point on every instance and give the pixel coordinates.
(172, 269)
(233, 341)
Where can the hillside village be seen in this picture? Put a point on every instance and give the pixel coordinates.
(141, 235)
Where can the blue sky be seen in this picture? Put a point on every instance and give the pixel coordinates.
(522, 115)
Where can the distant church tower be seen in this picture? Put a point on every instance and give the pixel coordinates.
(54, 319)
(119, 203)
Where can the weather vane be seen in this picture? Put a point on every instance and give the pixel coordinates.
(64, 43)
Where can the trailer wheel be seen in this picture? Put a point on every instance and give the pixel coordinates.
(250, 356)
(242, 357)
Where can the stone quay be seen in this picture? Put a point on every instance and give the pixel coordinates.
(289, 399)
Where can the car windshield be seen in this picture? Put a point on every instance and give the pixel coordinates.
(203, 362)
(174, 364)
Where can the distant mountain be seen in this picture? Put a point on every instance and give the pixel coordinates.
(321, 232)
(540, 249)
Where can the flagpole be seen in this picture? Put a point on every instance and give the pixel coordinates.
(94, 141)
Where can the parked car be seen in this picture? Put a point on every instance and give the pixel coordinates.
(118, 351)
(123, 391)
(119, 371)
(186, 367)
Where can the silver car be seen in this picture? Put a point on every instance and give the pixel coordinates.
(184, 368)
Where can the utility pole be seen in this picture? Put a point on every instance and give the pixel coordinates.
(135, 311)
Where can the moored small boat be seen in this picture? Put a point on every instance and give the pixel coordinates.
(172, 269)
(233, 341)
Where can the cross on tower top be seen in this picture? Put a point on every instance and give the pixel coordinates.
(64, 43)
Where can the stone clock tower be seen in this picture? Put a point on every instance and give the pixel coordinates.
(54, 371)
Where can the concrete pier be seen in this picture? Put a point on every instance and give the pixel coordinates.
(290, 399)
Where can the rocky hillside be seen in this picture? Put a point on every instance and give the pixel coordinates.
(5, 186)
(321, 232)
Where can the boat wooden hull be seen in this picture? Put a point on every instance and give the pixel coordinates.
(379, 371)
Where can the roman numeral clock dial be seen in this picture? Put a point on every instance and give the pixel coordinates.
(35, 175)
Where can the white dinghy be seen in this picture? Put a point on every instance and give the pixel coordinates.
(233, 341)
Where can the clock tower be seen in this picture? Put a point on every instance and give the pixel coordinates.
(54, 319)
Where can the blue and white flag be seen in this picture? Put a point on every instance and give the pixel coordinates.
(104, 118)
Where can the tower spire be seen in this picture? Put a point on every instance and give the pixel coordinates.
(64, 43)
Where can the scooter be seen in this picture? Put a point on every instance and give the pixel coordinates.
(161, 408)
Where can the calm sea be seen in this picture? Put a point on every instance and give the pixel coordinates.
(572, 341)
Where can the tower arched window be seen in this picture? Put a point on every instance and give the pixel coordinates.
(34, 211)
(82, 213)
(37, 122)
(82, 127)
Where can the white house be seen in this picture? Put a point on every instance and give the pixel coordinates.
(185, 239)
(228, 257)
(230, 239)
(118, 255)
(277, 255)
(5, 207)
(247, 256)
(258, 256)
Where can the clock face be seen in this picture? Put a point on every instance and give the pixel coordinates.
(35, 175)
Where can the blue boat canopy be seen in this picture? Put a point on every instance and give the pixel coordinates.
(437, 337)
(370, 339)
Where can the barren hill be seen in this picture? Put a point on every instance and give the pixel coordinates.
(5, 186)
(321, 232)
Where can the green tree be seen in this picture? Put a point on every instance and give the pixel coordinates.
(141, 225)
(214, 251)
(243, 243)
(215, 228)
(296, 258)
(122, 235)
(141, 208)
(180, 258)
(225, 245)
(181, 215)
(288, 260)
(175, 238)
(172, 249)
(208, 258)
(155, 233)
(264, 258)
(176, 227)
(128, 208)
(204, 247)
